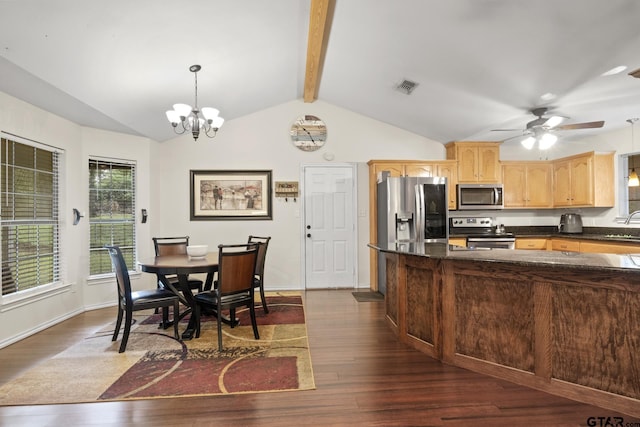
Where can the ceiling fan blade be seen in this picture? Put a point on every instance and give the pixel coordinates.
(587, 125)
(537, 122)
(523, 136)
(505, 130)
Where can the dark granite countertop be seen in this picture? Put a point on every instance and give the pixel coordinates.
(534, 258)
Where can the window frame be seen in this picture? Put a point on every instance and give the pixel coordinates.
(37, 291)
(132, 248)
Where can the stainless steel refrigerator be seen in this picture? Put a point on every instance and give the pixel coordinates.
(410, 210)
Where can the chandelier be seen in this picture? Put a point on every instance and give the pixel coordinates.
(184, 118)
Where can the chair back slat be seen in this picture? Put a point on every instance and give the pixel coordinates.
(262, 251)
(236, 267)
(122, 275)
(170, 245)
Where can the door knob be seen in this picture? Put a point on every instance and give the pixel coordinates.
(308, 234)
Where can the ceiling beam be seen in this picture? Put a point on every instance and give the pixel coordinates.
(320, 18)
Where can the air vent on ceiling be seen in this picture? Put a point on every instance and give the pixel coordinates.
(406, 86)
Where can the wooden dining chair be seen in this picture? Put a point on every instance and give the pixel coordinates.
(129, 301)
(234, 287)
(174, 246)
(259, 273)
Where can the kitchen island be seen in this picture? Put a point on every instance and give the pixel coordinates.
(566, 323)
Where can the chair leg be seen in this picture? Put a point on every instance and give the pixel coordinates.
(127, 328)
(165, 317)
(196, 313)
(254, 324)
(118, 324)
(264, 300)
(176, 315)
(219, 321)
(232, 317)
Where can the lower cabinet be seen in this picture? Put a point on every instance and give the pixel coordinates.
(609, 248)
(531, 243)
(576, 245)
(565, 245)
(458, 241)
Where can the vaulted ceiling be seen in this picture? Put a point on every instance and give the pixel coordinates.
(478, 64)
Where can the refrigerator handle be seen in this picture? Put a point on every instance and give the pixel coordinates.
(420, 213)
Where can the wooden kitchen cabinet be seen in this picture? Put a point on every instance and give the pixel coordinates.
(537, 243)
(527, 184)
(565, 245)
(609, 248)
(445, 168)
(478, 162)
(458, 241)
(393, 167)
(584, 180)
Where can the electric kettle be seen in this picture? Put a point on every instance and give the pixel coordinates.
(570, 223)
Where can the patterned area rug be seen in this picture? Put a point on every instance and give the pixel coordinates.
(156, 365)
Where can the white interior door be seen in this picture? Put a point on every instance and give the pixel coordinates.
(329, 226)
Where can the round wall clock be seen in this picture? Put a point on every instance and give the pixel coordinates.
(308, 133)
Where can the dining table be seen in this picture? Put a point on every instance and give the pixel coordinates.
(182, 266)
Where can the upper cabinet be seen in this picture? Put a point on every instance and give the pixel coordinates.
(446, 168)
(584, 180)
(393, 167)
(478, 162)
(527, 184)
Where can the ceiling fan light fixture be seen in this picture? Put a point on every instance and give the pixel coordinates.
(554, 121)
(528, 142)
(546, 141)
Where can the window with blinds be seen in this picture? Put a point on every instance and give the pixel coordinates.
(29, 216)
(111, 213)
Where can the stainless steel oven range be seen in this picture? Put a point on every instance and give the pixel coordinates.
(482, 233)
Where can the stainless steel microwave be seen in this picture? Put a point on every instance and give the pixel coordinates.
(480, 196)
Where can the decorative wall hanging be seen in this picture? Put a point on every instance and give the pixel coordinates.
(230, 195)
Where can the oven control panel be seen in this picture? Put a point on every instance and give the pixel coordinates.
(471, 222)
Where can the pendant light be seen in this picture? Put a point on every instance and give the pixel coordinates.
(184, 118)
(634, 181)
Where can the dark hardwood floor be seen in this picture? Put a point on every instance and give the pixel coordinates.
(363, 377)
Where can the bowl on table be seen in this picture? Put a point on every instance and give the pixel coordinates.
(197, 251)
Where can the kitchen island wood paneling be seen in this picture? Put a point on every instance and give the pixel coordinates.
(566, 323)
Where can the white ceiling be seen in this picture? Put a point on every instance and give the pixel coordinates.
(480, 64)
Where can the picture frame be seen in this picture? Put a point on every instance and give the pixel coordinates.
(230, 195)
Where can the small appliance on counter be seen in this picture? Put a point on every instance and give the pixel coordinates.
(570, 223)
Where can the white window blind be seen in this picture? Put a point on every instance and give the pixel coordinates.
(29, 215)
(111, 213)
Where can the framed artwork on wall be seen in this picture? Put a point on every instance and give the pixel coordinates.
(230, 195)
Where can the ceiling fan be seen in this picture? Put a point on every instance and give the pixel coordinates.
(541, 129)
